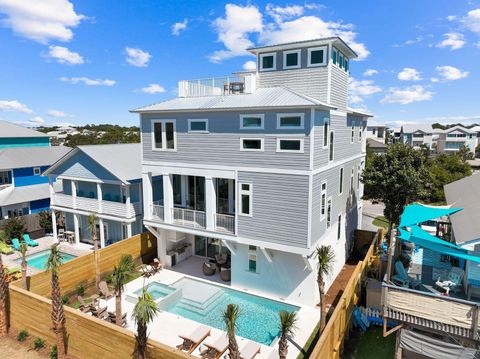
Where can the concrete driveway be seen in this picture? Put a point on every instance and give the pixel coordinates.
(370, 212)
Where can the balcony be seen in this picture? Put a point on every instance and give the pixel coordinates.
(111, 208)
(217, 86)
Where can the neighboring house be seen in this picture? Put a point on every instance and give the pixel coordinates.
(377, 132)
(22, 188)
(104, 180)
(418, 135)
(452, 139)
(376, 146)
(263, 166)
(13, 135)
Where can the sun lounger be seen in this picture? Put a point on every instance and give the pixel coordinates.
(29, 241)
(16, 244)
(5, 249)
(216, 348)
(193, 339)
(103, 287)
(249, 350)
(84, 307)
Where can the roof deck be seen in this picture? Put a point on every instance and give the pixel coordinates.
(218, 86)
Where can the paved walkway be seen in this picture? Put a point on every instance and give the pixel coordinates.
(370, 212)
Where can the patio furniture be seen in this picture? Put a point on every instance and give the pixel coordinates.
(30, 242)
(100, 312)
(216, 348)
(208, 268)
(221, 259)
(225, 274)
(103, 287)
(112, 318)
(193, 339)
(249, 350)
(84, 307)
(70, 236)
(5, 248)
(16, 244)
(453, 281)
(402, 278)
(61, 234)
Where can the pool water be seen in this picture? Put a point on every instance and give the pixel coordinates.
(157, 290)
(38, 260)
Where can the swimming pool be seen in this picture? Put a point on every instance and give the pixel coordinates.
(39, 259)
(157, 290)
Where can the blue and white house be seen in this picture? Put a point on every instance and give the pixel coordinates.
(104, 180)
(13, 135)
(263, 166)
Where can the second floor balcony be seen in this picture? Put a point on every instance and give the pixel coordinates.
(217, 86)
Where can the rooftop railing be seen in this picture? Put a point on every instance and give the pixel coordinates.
(217, 86)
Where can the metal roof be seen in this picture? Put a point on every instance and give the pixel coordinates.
(465, 193)
(419, 127)
(12, 130)
(14, 195)
(459, 128)
(375, 144)
(21, 157)
(261, 98)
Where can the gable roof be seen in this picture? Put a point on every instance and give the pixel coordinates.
(21, 157)
(459, 128)
(261, 98)
(12, 130)
(421, 128)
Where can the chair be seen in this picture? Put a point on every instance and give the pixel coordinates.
(61, 234)
(208, 268)
(217, 348)
(225, 274)
(220, 260)
(103, 287)
(29, 241)
(402, 278)
(5, 249)
(193, 339)
(16, 244)
(454, 280)
(84, 307)
(249, 350)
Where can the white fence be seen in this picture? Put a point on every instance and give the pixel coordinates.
(189, 217)
(225, 223)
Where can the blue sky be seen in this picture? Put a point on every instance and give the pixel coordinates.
(91, 61)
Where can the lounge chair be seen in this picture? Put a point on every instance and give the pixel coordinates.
(193, 339)
(103, 287)
(216, 348)
(249, 350)
(112, 318)
(29, 241)
(402, 278)
(16, 244)
(84, 307)
(453, 281)
(208, 268)
(221, 259)
(225, 274)
(100, 313)
(5, 248)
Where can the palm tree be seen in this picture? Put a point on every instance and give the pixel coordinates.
(325, 256)
(143, 313)
(287, 327)
(230, 316)
(120, 276)
(53, 265)
(23, 256)
(92, 226)
(3, 300)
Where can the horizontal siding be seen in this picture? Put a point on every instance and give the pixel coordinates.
(280, 209)
(81, 166)
(339, 88)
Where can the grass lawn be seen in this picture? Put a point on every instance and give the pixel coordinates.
(372, 344)
(380, 221)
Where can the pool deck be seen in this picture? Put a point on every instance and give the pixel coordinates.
(166, 327)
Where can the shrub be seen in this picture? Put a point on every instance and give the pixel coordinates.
(81, 290)
(65, 299)
(38, 343)
(22, 335)
(54, 352)
(45, 221)
(14, 228)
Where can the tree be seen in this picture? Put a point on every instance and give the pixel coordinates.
(53, 265)
(143, 313)
(120, 276)
(92, 226)
(287, 326)
(45, 221)
(477, 151)
(396, 178)
(14, 228)
(230, 316)
(23, 256)
(465, 153)
(3, 300)
(325, 257)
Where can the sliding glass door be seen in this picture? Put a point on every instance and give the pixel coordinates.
(209, 247)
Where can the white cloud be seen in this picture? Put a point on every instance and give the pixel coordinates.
(137, 57)
(64, 56)
(178, 27)
(409, 74)
(472, 20)
(417, 40)
(450, 73)
(37, 120)
(249, 65)
(453, 40)
(407, 95)
(370, 72)
(41, 21)
(14, 105)
(451, 18)
(153, 89)
(87, 81)
(358, 90)
(58, 114)
(280, 14)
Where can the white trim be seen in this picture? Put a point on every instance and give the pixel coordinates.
(322, 192)
(266, 254)
(92, 180)
(312, 137)
(329, 73)
(299, 59)
(262, 122)
(299, 114)
(99, 215)
(341, 175)
(248, 192)
(279, 140)
(164, 135)
(325, 54)
(260, 67)
(190, 120)
(261, 149)
(37, 169)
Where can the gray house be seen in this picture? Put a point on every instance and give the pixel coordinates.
(262, 166)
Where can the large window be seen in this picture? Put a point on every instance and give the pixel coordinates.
(353, 134)
(5, 177)
(252, 259)
(326, 128)
(268, 62)
(330, 150)
(164, 136)
(251, 122)
(198, 126)
(251, 144)
(291, 59)
(339, 227)
(286, 121)
(340, 180)
(323, 201)
(196, 193)
(290, 145)
(317, 56)
(209, 247)
(329, 212)
(245, 199)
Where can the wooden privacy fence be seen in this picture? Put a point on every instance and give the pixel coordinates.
(32, 225)
(332, 337)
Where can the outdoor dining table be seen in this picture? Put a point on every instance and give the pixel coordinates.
(70, 235)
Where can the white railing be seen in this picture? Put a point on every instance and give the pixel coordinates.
(3, 186)
(189, 217)
(225, 223)
(158, 212)
(63, 200)
(217, 86)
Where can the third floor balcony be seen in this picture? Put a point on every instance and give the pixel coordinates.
(218, 86)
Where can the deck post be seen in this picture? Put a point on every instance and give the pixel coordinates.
(54, 226)
(210, 203)
(99, 197)
(76, 228)
(167, 198)
(475, 322)
(102, 232)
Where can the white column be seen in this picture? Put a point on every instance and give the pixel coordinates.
(54, 226)
(210, 203)
(147, 194)
(100, 197)
(102, 232)
(127, 200)
(129, 230)
(76, 228)
(167, 198)
(74, 193)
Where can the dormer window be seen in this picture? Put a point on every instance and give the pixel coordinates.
(291, 59)
(268, 62)
(317, 56)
